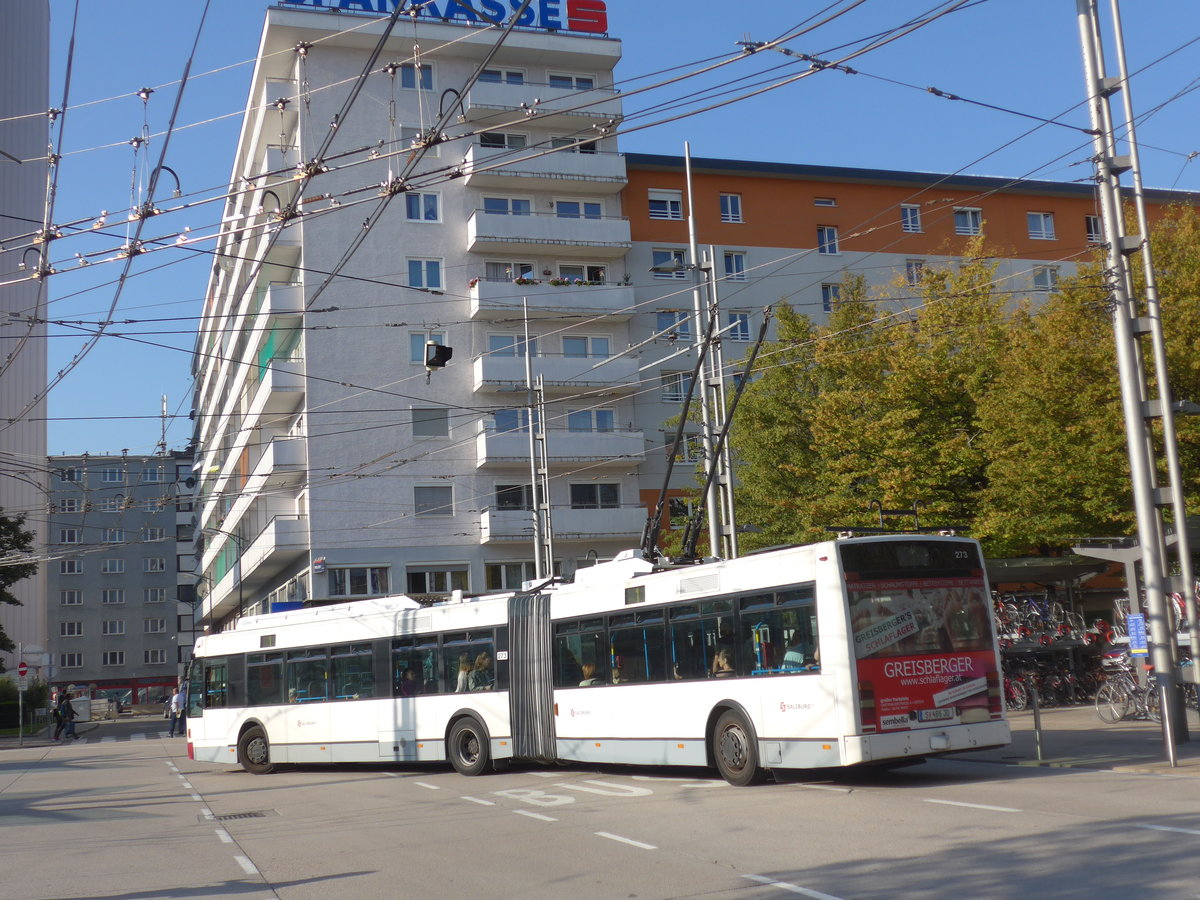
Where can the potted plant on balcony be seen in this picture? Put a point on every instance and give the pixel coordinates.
(523, 280)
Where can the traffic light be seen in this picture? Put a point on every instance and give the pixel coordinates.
(436, 355)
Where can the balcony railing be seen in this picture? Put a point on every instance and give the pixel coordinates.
(560, 373)
(601, 237)
(535, 169)
(622, 525)
(563, 446)
(488, 103)
(490, 298)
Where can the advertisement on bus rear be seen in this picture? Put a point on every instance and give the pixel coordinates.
(923, 652)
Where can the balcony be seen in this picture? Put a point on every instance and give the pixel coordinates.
(490, 299)
(514, 525)
(279, 545)
(488, 103)
(601, 237)
(284, 462)
(280, 390)
(506, 449)
(280, 298)
(535, 170)
(562, 374)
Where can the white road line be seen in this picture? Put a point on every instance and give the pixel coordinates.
(208, 814)
(248, 867)
(972, 805)
(196, 796)
(544, 774)
(624, 840)
(109, 739)
(432, 787)
(391, 774)
(792, 888)
(187, 784)
(137, 737)
(533, 815)
(1169, 828)
(825, 787)
(480, 802)
(225, 836)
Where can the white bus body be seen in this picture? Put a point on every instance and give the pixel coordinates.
(894, 659)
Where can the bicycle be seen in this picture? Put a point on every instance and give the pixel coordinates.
(1121, 697)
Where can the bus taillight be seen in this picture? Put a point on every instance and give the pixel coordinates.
(866, 705)
(994, 693)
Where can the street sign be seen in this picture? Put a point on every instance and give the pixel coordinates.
(1135, 624)
(22, 669)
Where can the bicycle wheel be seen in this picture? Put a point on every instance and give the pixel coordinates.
(1153, 701)
(1112, 703)
(1018, 697)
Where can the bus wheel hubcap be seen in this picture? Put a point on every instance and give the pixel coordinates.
(733, 748)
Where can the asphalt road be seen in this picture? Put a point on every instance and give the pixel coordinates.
(123, 813)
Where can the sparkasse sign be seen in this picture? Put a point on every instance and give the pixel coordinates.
(589, 16)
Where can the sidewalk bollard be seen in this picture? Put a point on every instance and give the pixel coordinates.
(1037, 720)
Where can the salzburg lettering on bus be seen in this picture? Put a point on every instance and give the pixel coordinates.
(589, 16)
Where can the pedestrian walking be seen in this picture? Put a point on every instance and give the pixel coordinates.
(66, 712)
(176, 711)
(57, 714)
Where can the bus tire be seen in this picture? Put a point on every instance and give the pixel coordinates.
(734, 749)
(254, 751)
(468, 747)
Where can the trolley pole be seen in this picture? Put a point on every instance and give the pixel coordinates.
(1137, 407)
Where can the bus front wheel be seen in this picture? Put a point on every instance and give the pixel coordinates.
(734, 749)
(254, 751)
(468, 747)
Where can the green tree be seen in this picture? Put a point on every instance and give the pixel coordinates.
(15, 543)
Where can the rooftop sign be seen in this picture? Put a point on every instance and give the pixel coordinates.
(553, 15)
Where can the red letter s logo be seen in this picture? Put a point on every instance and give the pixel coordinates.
(587, 15)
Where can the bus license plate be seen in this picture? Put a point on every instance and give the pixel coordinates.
(935, 715)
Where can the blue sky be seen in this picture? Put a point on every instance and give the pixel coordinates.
(1021, 55)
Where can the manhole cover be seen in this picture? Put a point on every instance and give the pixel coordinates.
(256, 814)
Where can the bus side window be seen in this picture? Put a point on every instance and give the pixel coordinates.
(264, 679)
(308, 675)
(216, 683)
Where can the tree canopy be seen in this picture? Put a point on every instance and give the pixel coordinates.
(15, 542)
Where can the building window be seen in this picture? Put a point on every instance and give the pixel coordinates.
(830, 294)
(70, 476)
(827, 239)
(1041, 226)
(154, 626)
(690, 449)
(359, 581)
(675, 321)
(110, 504)
(1045, 278)
(113, 626)
(510, 345)
(910, 218)
(735, 266)
(68, 536)
(154, 564)
(416, 344)
(70, 660)
(507, 270)
(430, 421)
(588, 274)
(152, 476)
(514, 496)
(70, 629)
(573, 144)
(675, 386)
(114, 658)
(508, 576)
(154, 595)
(113, 535)
(433, 500)
(591, 420)
(731, 208)
(666, 204)
(507, 206)
(155, 533)
(824, 201)
(70, 505)
(420, 207)
(70, 567)
(741, 325)
(1094, 229)
(576, 347)
(412, 76)
(155, 657)
(578, 209)
(502, 140)
(112, 566)
(112, 595)
(70, 598)
(913, 270)
(968, 220)
(668, 264)
(425, 273)
(592, 495)
(571, 82)
(437, 581)
(112, 476)
(502, 76)
(510, 421)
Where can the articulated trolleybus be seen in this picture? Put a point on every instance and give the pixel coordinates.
(859, 651)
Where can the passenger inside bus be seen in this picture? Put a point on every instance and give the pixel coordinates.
(800, 652)
(590, 677)
(410, 683)
(723, 664)
(481, 678)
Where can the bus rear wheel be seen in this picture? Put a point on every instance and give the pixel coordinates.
(734, 749)
(468, 747)
(254, 751)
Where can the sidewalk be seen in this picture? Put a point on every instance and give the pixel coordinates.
(1074, 737)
